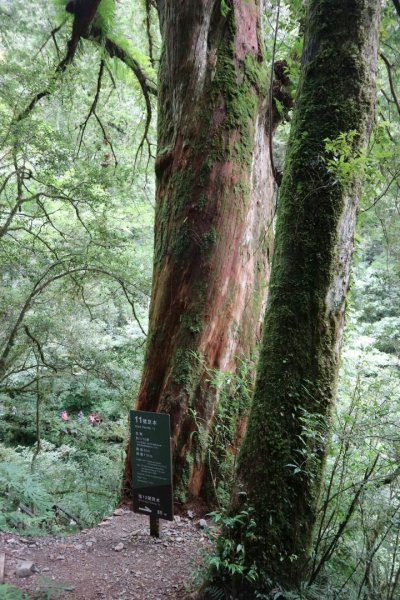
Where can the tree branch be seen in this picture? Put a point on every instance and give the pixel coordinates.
(82, 21)
(328, 552)
(382, 194)
(42, 283)
(115, 51)
(93, 106)
(106, 138)
(82, 28)
(4, 228)
(132, 306)
(52, 35)
(148, 31)
(148, 88)
(391, 83)
(39, 348)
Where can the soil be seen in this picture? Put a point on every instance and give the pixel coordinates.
(118, 560)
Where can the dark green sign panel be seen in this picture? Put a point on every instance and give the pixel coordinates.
(151, 464)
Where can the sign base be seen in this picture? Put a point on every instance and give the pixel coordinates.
(155, 527)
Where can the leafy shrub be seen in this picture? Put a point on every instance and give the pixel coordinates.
(229, 567)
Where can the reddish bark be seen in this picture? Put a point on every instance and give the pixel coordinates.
(213, 234)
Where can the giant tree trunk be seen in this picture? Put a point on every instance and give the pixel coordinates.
(282, 459)
(213, 232)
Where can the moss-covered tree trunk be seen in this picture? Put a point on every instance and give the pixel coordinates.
(213, 217)
(282, 458)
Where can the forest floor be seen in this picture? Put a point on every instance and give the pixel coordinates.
(117, 559)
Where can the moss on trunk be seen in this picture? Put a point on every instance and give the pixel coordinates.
(213, 210)
(282, 459)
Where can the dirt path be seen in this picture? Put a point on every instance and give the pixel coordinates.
(115, 560)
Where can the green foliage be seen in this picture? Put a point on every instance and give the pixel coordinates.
(77, 476)
(78, 234)
(359, 516)
(21, 487)
(357, 535)
(84, 218)
(342, 161)
(234, 398)
(10, 592)
(225, 8)
(229, 568)
(311, 440)
(75, 266)
(105, 16)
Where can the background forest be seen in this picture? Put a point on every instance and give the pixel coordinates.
(76, 253)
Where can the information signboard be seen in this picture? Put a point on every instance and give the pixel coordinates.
(151, 464)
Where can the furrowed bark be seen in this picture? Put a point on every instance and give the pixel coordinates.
(282, 459)
(213, 233)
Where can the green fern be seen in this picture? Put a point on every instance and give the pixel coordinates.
(10, 592)
(225, 9)
(23, 487)
(83, 483)
(105, 17)
(215, 593)
(134, 54)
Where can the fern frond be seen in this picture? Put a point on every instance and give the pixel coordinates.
(9, 592)
(135, 55)
(215, 593)
(105, 17)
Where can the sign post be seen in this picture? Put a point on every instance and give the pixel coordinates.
(152, 467)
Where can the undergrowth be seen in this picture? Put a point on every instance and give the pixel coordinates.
(65, 486)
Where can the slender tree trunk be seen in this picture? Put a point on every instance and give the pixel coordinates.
(213, 233)
(282, 459)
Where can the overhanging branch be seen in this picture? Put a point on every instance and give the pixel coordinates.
(84, 16)
(82, 28)
(148, 87)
